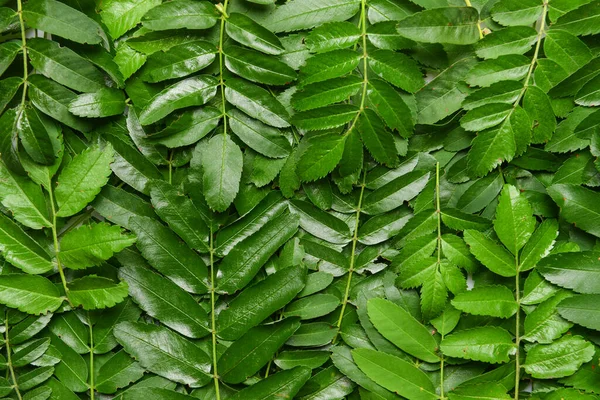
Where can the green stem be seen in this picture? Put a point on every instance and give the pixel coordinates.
(9, 358)
(517, 328)
(213, 320)
(92, 384)
(223, 10)
(57, 246)
(535, 53)
(352, 259)
(24, 46)
(438, 212)
(363, 25)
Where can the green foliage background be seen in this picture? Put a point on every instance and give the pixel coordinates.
(311, 199)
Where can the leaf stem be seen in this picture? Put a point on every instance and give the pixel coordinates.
(9, 358)
(213, 320)
(468, 3)
(352, 258)
(57, 246)
(535, 53)
(363, 25)
(24, 46)
(517, 328)
(223, 10)
(92, 384)
(438, 212)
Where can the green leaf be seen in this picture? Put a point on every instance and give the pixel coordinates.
(9, 86)
(558, 359)
(539, 108)
(162, 299)
(376, 138)
(309, 358)
(21, 250)
(540, 243)
(181, 14)
(581, 21)
(577, 271)
(322, 156)
(402, 329)
(81, 180)
(38, 135)
(120, 16)
(334, 64)
(181, 214)
(394, 193)
(189, 127)
(502, 143)
(564, 139)
(93, 292)
(514, 223)
(512, 40)
(433, 294)
(178, 61)
(508, 67)
(103, 103)
(222, 169)
(486, 116)
(489, 344)
(257, 67)
(298, 15)
(382, 227)
(30, 294)
(53, 99)
(242, 263)
(262, 138)
(516, 12)
(320, 223)
(24, 199)
(451, 25)
(390, 106)
(118, 205)
(282, 384)
(578, 205)
(443, 96)
(495, 301)
(167, 254)
(118, 372)
(325, 117)
(490, 254)
(59, 19)
(506, 92)
(394, 374)
(544, 325)
(566, 50)
(245, 31)
(153, 393)
(397, 69)
(30, 352)
(332, 36)
(489, 390)
(313, 306)
(256, 101)
(253, 350)
(322, 94)
(194, 91)
(589, 94)
(581, 309)
(102, 334)
(256, 303)
(64, 66)
(90, 245)
(160, 351)
(458, 220)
